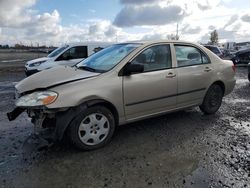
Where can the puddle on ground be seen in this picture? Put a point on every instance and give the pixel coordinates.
(198, 178)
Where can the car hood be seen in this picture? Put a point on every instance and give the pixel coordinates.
(53, 77)
(38, 60)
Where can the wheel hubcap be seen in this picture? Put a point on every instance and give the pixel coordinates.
(93, 129)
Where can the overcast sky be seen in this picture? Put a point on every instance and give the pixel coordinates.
(55, 22)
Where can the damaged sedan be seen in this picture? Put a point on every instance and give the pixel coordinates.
(120, 84)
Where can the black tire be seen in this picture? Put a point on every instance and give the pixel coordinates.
(249, 77)
(74, 133)
(212, 100)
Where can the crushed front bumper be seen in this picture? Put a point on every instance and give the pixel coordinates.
(15, 113)
(54, 119)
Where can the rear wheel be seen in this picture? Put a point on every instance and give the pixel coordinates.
(212, 100)
(92, 129)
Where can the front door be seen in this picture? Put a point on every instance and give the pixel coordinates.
(154, 90)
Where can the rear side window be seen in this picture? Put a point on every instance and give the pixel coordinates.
(79, 52)
(189, 55)
(205, 59)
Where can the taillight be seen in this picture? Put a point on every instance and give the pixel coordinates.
(233, 67)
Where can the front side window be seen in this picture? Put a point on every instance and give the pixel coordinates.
(74, 53)
(155, 58)
(107, 58)
(189, 55)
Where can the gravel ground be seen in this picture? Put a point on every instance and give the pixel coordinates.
(182, 149)
(12, 64)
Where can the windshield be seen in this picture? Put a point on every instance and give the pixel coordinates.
(107, 58)
(58, 51)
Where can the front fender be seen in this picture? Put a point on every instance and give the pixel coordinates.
(63, 119)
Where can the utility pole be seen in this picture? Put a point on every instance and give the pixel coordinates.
(177, 32)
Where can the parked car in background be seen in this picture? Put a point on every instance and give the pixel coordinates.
(241, 57)
(123, 83)
(69, 54)
(215, 49)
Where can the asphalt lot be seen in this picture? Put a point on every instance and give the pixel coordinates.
(182, 149)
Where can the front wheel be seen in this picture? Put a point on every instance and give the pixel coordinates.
(212, 100)
(92, 129)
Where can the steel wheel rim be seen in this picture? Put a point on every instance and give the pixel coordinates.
(93, 129)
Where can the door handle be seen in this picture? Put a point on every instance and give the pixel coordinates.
(170, 75)
(207, 69)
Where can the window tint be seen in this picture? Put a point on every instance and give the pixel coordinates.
(155, 58)
(188, 55)
(81, 52)
(74, 53)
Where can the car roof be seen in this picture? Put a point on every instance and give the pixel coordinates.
(87, 43)
(148, 42)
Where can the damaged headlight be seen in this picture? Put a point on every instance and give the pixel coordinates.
(41, 98)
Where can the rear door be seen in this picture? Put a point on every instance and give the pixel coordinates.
(194, 71)
(154, 90)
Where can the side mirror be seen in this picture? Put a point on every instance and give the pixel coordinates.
(132, 68)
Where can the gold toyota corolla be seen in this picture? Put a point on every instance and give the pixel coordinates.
(123, 83)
